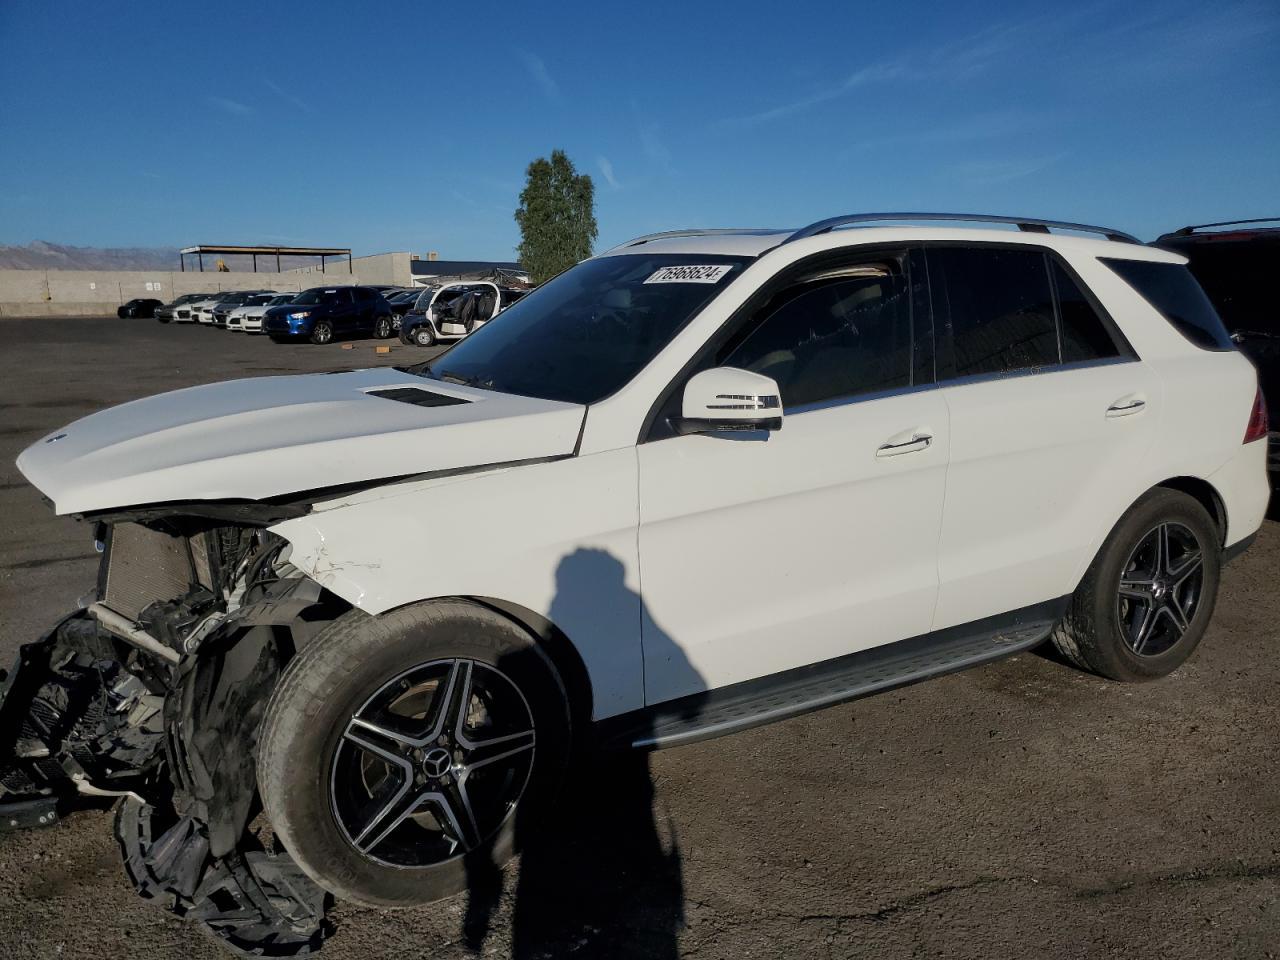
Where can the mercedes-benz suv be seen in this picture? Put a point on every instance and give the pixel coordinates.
(704, 480)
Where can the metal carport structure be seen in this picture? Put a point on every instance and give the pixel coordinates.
(322, 252)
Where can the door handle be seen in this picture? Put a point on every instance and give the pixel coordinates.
(1126, 407)
(906, 442)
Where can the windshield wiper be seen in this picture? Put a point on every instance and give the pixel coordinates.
(462, 381)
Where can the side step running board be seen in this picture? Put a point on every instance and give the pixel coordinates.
(755, 702)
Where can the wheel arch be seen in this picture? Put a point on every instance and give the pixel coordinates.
(552, 640)
(1199, 489)
(562, 651)
(1205, 494)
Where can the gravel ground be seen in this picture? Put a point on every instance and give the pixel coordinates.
(1022, 809)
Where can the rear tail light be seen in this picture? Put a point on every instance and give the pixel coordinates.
(1257, 429)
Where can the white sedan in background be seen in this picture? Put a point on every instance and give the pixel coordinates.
(248, 318)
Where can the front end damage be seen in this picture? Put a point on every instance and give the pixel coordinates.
(152, 694)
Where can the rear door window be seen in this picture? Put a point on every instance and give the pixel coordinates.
(994, 310)
(1174, 292)
(1085, 334)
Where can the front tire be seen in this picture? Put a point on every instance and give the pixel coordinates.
(423, 336)
(1146, 600)
(322, 332)
(400, 752)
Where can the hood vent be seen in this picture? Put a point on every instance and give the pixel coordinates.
(417, 396)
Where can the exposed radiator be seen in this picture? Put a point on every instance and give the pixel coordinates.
(144, 565)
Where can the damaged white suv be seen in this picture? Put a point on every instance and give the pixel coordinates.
(702, 481)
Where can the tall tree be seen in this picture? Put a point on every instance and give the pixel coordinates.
(556, 216)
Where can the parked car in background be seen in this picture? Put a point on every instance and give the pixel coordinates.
(1233, 261)
(249, 317)
(322, 314)
(236, 315)
(180, 309)
(140, 307)
(202, 309)
(401, 301)
(221, 310)
(451, 311)
(699, 482)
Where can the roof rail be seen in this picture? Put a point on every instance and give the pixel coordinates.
(1186, 231)
(1026, 224)
(668, 234)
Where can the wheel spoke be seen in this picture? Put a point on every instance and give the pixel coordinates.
(453, 801)
(1188, 565)
(391, 746)
(1173, 610)
(1161, 564)
(1145, 625)
(484, 752)
(1136, 588)
(457, 701)
(385, 811)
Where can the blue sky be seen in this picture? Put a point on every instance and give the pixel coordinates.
(394, 126)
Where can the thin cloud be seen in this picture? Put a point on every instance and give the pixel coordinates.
(233, 107)
(654, 148)
(950, 63)
(877, 73)
(986, 172)
(284, 94)
(606, 171)
(538, 70)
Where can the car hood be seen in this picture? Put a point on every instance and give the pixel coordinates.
(287, 308)
(274, 436)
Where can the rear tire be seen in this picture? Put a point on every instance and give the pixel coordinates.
(325, 754)
(1148, 596)
(382, 328)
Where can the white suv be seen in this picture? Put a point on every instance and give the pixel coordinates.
(702, 481)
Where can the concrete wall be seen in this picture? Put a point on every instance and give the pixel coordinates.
(392, 268)
(47, 293)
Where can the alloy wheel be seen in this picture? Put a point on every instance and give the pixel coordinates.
(322, 333)
(433, 764)
(1160, 589)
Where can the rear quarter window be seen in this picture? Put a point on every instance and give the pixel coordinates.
(1174, 292)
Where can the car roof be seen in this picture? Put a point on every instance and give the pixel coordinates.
(754, 243)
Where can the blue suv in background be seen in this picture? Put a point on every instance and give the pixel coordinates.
(323, 313)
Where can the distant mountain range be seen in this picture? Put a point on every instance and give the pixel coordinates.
(42, 255)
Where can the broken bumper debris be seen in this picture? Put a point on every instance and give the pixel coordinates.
(150, 698)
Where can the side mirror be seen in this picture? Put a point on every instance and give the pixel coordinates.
(726, 398)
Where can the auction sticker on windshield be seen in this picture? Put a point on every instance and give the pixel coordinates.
(691, 273)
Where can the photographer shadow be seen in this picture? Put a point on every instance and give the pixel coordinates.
(600, 870)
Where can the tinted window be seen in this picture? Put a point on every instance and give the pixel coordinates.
(1236, 275)
(1171, 289)
(834, 337)
(336, 297)
(995, 307)
(1085, 335)
(583, 335)
(363, 294)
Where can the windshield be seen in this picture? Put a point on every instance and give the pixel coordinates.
(583, 335)
(314, 295)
